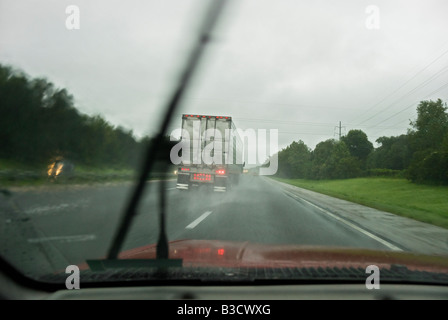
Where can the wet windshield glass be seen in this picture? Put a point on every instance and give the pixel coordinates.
(302, 135)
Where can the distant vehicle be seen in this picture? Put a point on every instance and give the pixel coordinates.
(215, 153)
(254, 171)
(60, 167)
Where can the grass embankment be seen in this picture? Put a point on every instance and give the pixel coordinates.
(400, 196)
(13, 174)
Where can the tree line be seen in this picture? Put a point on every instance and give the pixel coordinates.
(39, 122)
(420, 155)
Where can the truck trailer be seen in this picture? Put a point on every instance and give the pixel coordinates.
(212, 153)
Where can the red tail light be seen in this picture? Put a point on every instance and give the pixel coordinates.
(184, 169)
(221, 171)
(202, 177)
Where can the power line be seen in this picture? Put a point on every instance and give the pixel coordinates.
(395, 125)
(413, 104)
(421, 85)
(409, 80)
(272, 104)
(285, 122)
(307, 133)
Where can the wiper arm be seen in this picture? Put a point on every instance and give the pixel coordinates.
(162, 259)
(162, 243)
(208, 24)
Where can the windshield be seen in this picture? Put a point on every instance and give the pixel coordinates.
(224, 140)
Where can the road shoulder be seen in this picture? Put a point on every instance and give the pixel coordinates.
(405, 233)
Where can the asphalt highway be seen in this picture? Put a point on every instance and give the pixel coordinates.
(69, 224)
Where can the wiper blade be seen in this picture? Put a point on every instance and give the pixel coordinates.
(101, 265)
(162, 259)
(208, 24)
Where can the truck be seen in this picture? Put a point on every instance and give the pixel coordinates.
(212, 153)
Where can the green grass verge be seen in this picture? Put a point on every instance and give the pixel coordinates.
(17, 176)
(399, 196)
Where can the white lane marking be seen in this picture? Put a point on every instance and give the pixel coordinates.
(78, 238)
(198, 220)
(158, 180)
(172, 188)
(353, 226)
(50, 209)
(46, 209)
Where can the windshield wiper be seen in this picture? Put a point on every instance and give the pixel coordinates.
(162, 258)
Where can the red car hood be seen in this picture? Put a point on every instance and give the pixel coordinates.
(246, 254)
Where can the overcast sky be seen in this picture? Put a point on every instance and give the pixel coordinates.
(296, 66)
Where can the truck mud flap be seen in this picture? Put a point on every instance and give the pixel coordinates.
(182, 186)
(219, 189)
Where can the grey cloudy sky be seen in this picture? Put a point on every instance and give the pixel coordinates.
(296, 66)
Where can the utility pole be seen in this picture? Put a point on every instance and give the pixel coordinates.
(340, 130)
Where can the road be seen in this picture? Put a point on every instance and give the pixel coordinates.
(69, 224)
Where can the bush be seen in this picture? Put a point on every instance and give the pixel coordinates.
(378, 172)
(429, 167)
